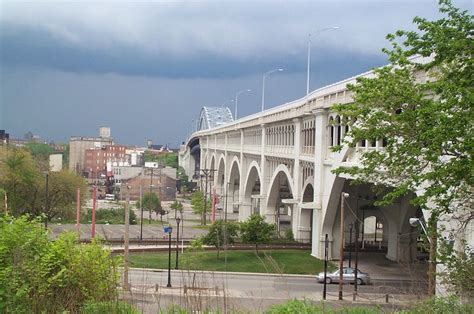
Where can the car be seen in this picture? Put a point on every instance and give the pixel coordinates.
(348, 276)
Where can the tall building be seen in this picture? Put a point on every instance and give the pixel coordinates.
(95, 163)
(79, 144)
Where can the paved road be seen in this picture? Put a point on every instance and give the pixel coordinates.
(244, 291)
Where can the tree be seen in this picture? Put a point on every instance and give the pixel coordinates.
(18, 177)
(151, 202)
(221, 233)
(62, 195)
(197, 203)
(178, 207)
(25, 185)
(426, 125)
(40, 153)
(255, 230)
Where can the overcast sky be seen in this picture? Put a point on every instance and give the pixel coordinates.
(146, 68)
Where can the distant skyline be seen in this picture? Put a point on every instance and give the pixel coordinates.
(145, 69)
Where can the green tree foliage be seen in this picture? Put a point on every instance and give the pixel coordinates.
(197, 203)
(18, 177)
(40, 153)
(178, 207)
(426, 123)
(25, 184)
(221, 233)
(62, 195)
(255, 230)
(152, 203)
(110, 216)
(164, 159)
(38, 275)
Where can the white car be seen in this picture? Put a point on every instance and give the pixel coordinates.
(348, 276)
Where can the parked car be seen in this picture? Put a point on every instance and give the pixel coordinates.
(348, 276)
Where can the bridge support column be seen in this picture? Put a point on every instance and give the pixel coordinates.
(297, 193)
(321, 116)
(264, 183)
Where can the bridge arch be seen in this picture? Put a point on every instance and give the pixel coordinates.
(280, 199)
(233, 188)
(220, 174)
(303, 230)
(251, 198)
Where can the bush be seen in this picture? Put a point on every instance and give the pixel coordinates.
(441, 306)
(306, 307)
(112, 216)
(289, 235)
(39, 275)
(114, 307)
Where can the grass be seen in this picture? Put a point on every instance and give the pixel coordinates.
(277, 261)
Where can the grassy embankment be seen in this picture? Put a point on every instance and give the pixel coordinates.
(277, 261)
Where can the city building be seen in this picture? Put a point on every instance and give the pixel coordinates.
(96, 159)
(78, 146)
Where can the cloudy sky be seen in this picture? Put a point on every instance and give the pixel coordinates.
(145, 68)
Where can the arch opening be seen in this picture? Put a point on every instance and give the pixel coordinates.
(280, 203)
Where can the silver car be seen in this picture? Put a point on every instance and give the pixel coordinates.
(348, 276)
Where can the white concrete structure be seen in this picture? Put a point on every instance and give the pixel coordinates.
(56, 162)
(279, 163)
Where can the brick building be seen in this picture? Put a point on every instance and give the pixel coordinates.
(95, 162)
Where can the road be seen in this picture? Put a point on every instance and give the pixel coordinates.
(245, 290)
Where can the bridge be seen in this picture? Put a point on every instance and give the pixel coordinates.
(279, 163)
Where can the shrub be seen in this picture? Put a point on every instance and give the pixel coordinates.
(39, 275)
(114, 307)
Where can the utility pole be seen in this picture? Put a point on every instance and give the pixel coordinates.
(141, 212)
(78, 214)
(225, 226)
(46, 201)
(151, 186)
(207, 173)
(125, 251)
(94, 204)
(341, 246)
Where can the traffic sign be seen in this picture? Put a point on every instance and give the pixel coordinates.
(168, 229)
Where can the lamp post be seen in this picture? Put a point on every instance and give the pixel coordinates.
(168, 230)
(178, 220)
(263, 85)
(432, 260)
(237, 100)
(341, 245)
(309, 53)
(350, 243)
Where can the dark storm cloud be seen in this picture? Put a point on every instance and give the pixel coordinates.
(146, 68)
(194, 39)
(28, 47)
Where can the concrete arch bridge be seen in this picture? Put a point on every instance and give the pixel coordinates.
(279, 163)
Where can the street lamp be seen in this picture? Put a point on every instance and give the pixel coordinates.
(237, 100)
(169, 230)
(263, 85)
(309, 52)
(350, 243)
(415, 221)
(432, 259)
(178, 220)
